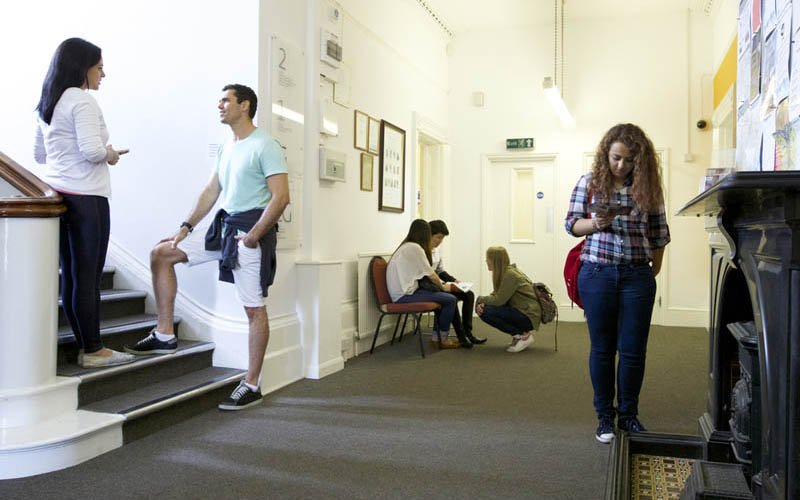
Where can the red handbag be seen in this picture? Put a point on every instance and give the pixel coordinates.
(572, 266)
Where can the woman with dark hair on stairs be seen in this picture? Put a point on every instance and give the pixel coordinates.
(71, 139)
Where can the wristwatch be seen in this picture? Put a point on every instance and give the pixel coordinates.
(187, 225)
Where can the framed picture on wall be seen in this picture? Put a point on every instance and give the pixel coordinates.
(366, 171)
(360, 130)
(391, 181)
(374, 136)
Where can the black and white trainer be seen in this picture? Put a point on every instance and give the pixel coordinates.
(151, 345)
(242, 397)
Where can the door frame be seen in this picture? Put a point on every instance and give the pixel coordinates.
(434, 136)
(487, 161)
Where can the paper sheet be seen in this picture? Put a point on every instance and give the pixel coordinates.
(755, 68)
(745, 12)
(743, 79)
(769, 15)
(768, 71)
(464, 286)
(795, 16)
(783, 47)
(794, 80)
(768, 146)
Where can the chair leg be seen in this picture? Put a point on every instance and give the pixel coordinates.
(375, 337)
(394, 333)
(418, 329)
(403, 330)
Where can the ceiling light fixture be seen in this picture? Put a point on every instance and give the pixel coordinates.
(550, 84)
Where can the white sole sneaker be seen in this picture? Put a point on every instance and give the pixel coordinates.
(605, 438)
(521, 344)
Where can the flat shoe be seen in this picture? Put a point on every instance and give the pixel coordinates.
(475, 340)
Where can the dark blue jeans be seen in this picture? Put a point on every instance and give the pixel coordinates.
(446, 300)
(506, 319)
(618, 301)
(84, 233)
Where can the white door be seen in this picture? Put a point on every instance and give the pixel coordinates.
(518, 214)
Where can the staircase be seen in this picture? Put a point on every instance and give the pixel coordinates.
(154, 391)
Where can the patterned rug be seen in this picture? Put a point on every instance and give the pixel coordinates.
(658, 478)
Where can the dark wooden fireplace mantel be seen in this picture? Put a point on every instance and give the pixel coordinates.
(754, 223)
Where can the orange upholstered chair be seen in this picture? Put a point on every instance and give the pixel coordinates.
(377, 273)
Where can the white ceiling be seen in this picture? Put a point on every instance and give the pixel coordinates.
(467, 15)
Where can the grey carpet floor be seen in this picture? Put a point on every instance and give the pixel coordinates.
(478, 423)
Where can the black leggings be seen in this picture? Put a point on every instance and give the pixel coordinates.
(85, 228)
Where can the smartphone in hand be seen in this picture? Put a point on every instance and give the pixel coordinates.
(612, 209)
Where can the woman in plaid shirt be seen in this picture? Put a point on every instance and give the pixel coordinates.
(626, 231)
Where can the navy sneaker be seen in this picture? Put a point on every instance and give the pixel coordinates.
(151, 345)
(631, 425)
(605, 431)
(242, 397)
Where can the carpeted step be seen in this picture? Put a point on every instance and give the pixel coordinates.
(115, 332)
(170, 401)
(101, 383)
(106, 283)
(113, 304)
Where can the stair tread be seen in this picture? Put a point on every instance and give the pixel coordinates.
(106, 325)
(139, 400)
(106, 269)
(116, 294)
(185, 348)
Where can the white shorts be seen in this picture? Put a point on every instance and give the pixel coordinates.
(246, 274)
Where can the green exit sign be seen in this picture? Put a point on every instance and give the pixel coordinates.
(523, 143)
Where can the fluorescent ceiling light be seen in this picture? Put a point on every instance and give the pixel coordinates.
(552, 94)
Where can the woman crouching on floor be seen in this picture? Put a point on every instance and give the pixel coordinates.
(512, 307)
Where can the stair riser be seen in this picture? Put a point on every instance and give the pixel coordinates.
(68, 351)
(112, 309)
(171, 415)
(96, 390)
(106, 283)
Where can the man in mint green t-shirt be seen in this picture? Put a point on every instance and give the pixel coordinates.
(251, 182)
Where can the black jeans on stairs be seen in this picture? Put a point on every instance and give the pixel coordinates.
(84, 232)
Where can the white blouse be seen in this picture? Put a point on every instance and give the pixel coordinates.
(407, 265)
(73, 146)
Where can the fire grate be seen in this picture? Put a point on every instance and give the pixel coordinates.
(658, 478)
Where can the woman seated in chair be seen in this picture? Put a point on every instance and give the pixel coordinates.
(512, 307)
(409, 264)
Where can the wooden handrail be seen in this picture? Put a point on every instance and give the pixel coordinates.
(37, 198)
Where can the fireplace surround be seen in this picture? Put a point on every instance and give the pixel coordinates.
(752, 416)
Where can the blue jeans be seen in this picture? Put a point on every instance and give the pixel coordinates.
(618, 301)
(506, 319)
(446, 300)
(83, 243)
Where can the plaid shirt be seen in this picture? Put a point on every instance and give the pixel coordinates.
(629, 239)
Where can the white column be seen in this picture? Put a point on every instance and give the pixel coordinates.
(29, 389)
(320, 311)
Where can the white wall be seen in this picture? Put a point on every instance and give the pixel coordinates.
(165, 64)
(392, 75)
(630, 69)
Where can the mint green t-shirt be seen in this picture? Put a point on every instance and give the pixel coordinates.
(243, 168)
